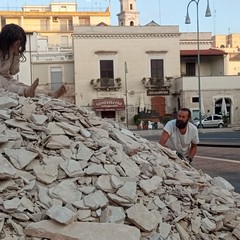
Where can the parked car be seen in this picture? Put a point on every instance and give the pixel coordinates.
(213, 120)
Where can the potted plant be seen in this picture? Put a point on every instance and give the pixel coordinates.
(137, 120)
(145, 124)
(225, 120)
(122, 118)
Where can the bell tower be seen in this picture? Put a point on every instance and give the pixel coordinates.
(128, 15)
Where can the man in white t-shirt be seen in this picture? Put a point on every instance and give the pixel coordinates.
(181, 135)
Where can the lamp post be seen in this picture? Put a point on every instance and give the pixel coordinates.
(126, 92)
(188, 21)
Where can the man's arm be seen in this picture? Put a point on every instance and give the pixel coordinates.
(163, 139)
(193, 150)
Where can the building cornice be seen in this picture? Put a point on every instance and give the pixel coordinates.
(194, 42)
(126, 36)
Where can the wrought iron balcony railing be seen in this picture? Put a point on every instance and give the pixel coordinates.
(106, 84)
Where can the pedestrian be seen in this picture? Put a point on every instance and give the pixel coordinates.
(12, 47)
(181, 135)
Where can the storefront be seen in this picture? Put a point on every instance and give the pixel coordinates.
(108, 106)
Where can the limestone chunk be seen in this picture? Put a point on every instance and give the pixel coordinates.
(151, 185)
(12, 204)
(66, 191)
(58, 142)
(80, 231)
(139, 215)
(128, 191)
(20, 158)
(6, 169)
(95, 200)
(112, 214)
(61, 214)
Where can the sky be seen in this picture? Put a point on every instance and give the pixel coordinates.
(225, 13)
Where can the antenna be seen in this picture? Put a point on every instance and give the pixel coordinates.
(159, 12)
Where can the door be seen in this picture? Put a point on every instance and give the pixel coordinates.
(207, 122)
(158, 104)
(56, 77)
(108, 114)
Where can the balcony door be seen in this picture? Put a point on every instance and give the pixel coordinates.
(106, 73)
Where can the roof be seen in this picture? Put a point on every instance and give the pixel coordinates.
(203, 52)
(152, 23)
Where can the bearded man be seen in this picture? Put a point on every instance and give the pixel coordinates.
(181, 135)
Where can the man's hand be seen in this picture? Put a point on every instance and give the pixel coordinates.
(180, 155)
(190, 159)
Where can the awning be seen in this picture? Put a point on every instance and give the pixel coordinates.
(203, 52)
(108, 104)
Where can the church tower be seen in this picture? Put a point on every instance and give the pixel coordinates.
(128, 15)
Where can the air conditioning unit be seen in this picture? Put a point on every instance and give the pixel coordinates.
(55, 19)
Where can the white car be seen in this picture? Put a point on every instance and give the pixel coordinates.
(214, 120)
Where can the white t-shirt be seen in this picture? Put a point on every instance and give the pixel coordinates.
(179, 142)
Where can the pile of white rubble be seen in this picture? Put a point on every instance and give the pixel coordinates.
(66, 174)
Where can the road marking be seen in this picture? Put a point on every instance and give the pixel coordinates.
(219, 159)
(218, 138)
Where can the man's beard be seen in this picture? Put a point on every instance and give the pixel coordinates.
(181, 124)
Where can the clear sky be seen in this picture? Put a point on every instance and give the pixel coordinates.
(225, 13)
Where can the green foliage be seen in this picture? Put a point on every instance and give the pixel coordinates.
(136, 119)
(165, 119)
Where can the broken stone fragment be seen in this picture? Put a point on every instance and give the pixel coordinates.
(61, 214)
(80, 231)
(139, 215)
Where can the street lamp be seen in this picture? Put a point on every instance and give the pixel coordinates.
(188, 21)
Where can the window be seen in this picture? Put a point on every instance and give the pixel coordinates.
(70, 25)
(195, 99)
(157, 74)
(63, 25)
(56, 77)
(190, 69)
(131, 23)
(131, 7)
(208, 118)
(64, 41)
(106, 73)
(43, 25)
(217, 117)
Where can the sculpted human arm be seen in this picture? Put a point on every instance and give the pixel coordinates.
(15, 58)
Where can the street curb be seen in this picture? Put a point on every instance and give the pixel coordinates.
(219, 145)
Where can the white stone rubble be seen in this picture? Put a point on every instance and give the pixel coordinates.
(67, 174)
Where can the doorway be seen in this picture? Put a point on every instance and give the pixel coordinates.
(108, 114)
(219, 105)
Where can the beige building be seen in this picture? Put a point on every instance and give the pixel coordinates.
(230, 44)
(134, 65)
(217, 86)
(124, 70)
(49, 43)
(54, 21)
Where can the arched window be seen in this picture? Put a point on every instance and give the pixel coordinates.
(131, 23)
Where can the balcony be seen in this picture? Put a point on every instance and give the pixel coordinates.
(106, 84)
(155, 83)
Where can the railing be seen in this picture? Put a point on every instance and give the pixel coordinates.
(106, 84)
(153, 83)
(234, 57)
